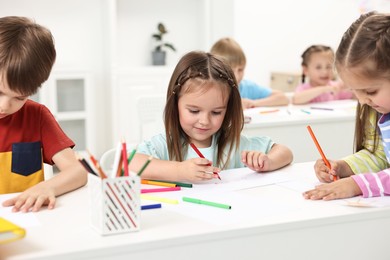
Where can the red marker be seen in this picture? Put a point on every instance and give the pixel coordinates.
(201, 156)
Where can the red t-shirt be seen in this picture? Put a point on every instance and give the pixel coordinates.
(29, 137)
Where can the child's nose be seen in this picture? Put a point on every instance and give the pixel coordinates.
(362, 98)
(204, 119)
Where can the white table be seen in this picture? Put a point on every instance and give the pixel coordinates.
(334, 129)
(307, 230)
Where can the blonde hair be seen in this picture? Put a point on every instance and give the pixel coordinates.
(229, 50)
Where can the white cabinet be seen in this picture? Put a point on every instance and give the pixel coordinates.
(67, 94)
(285, 81)
(130, 85)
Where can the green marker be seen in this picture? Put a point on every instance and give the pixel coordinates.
(179, 184)
(208, 203)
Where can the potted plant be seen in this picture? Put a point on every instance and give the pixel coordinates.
(159, 54)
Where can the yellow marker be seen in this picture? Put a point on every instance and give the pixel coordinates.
(159, 199)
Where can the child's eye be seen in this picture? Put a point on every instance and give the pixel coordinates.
(193, 111)
(216, 113)
(371, 93)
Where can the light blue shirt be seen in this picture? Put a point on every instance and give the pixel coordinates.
(157, 147)
(251, 90)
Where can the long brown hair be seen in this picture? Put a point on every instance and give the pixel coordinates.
(362, 117)
(198, 68)
(365, 47)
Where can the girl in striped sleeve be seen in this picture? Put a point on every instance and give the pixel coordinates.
(363, 63)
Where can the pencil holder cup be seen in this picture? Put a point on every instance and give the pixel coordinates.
(115, 204)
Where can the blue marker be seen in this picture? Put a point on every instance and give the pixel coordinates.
(151, 206)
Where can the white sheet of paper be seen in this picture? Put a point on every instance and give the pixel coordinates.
(24, 220)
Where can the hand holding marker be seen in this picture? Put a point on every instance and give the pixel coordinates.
(320, 150)
(201, 156)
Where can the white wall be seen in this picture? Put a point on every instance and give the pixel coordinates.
(137, 21)
(101, 35)
(274, 34)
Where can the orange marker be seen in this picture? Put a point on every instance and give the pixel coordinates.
(158, 183)
(320, 150)
(269, 111)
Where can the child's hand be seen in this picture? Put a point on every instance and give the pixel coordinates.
(343, 188)
(335, 88)
(197, 170)
(247, 103)
(256, 161)
(324, 174)
(32, 199)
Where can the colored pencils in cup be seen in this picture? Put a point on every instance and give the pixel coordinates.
(145, 165)
(201, 156)
(97, 165)
(320, 150)
(124, 158)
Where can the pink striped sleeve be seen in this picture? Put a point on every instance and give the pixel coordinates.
(374, 184)
(358, 178)
(384, 176)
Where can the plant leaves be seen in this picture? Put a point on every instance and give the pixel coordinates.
(158, 37)
(161, 28)
(170, 46)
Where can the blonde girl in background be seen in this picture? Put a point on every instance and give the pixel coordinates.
(203, 107)
(363, 63)
(252, 94)
(318, 84)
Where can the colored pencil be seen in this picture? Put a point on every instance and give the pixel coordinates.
(131, 155)
(208, 203)
(269, 111)
(86, 165)
(322, 108)
(180, 184)
(160, 189)
(117, 165)
(124, 158)
(305, 111)
(145, 165)
(320, 150)
(201, 156)
(97, 165)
